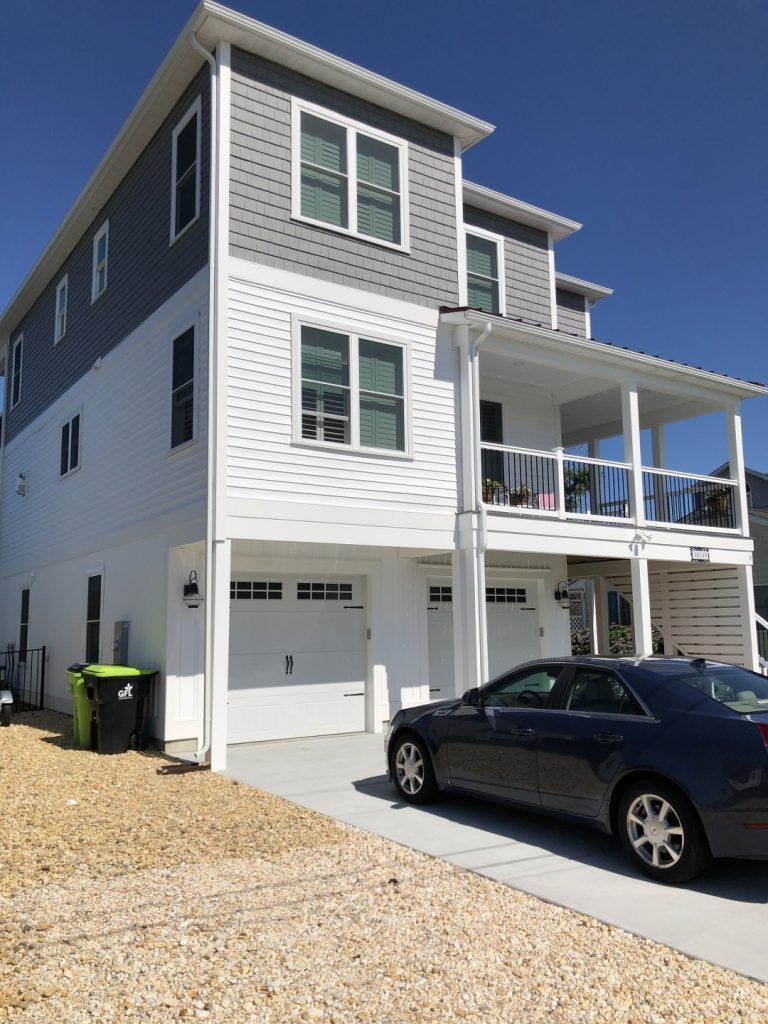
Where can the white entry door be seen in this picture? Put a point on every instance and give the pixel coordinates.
(297, 657)
(513, 632)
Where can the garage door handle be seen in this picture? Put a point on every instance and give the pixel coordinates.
(608, 737)
(289, 664)
(361, 694)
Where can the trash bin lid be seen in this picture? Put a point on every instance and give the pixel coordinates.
(107, 671)
(77, 666)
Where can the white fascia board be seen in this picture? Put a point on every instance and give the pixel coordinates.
(594, 292)
(211, 23)
(482, 198)
(728, 389)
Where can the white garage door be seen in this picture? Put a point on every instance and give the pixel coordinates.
(297, 657)
(513, 632)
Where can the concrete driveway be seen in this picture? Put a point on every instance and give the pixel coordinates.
(721, 918)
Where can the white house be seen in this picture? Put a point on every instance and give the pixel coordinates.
(279, 342)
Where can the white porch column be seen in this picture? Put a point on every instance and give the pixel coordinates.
(602, 628)
(470, 639)
(641, 607)
(747, 605)
(218, 662)
(736, 467)
(658, 461)
(630, 416)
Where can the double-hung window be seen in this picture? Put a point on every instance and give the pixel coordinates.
(349, 177)
(185, 171)
(183, 389)
(100, 257)
(62, 294)
(485, 272)
(352, 390)
(69, 459)
(17, 356)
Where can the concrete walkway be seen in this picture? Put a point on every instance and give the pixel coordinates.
(721, 917)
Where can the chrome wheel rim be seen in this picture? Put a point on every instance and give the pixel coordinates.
(409, 768)
(655, 831)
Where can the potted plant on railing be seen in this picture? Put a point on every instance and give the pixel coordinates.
(716, 499)
(520, 495)
(494, 492)
(577, 482)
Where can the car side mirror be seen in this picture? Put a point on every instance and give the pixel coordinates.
(471, 697)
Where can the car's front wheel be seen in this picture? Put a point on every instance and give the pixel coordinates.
(411, 769)
(661, 833)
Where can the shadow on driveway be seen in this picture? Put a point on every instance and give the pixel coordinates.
(741, 880)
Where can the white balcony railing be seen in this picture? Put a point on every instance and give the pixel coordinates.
(555, 484)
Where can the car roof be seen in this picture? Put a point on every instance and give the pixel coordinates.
(623, 661)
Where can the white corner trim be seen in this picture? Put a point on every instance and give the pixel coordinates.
(587, 318)
(552, 281)
(461, 238)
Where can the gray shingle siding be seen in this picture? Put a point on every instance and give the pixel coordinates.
(143, 272)
(571, 317)
(261, 228)
(526, 265)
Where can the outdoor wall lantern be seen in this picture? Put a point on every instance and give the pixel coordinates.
(561, 594)
(192, 596)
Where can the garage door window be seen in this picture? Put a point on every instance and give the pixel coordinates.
(505, 595)
(440, 595)
(324, 591)
(255, 590)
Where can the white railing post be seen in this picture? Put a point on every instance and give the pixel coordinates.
(560, 482)
(736, 468)
(630, 416)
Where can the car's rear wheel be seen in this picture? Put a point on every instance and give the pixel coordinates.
(661, 833)
(411, 769)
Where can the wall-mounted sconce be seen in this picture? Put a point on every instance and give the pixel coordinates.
(21, 485)
(192, 596)
(561, 594)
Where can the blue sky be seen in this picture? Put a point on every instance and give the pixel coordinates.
(644, 121)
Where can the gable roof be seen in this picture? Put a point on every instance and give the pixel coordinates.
(212, 22)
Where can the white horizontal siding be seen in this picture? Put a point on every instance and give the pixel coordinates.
(262, 463)
(528, 415)
(128, 481)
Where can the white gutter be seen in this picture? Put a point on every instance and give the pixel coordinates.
(213, 241)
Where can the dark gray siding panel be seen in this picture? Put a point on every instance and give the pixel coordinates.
(143, 271)
(261, 228)
(526, 264)
(571, 317)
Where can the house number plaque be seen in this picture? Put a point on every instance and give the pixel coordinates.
(700, 554)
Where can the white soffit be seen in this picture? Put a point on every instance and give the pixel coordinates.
(482, 198)
(575, 284)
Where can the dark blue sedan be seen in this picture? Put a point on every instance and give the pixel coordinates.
(668, 754)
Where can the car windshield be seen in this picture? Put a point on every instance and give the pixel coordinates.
(738, 689)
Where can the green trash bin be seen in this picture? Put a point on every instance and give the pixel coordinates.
(118, 697)
(81, 708)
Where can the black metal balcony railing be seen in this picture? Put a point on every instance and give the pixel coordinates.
(595, 488)
(519, 479)
(687, 500)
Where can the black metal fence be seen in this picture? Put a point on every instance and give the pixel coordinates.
(686, 500)
(597, 489)
(23, 673)
(518, 479)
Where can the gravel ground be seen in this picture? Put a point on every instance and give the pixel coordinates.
(128, 896)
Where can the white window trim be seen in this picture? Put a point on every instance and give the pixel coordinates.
(103, 232)
(196, 108)
(177, 333)
(96, 570)
(299, 106)
(18, 344)
(354, 335)
(62, 424)
(63, 285)
(502, 282)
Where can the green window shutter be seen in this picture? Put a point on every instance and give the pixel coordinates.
(381, 423)
(378, 163)
(378, 214)
(323, 143)
(482, 257)
(381, 367)
(324, 197)
(482, 294)
(324, 356)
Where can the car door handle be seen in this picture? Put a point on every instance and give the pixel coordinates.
(522, 733)
(608, 737)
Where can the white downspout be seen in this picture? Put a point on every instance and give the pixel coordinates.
(213, 242)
